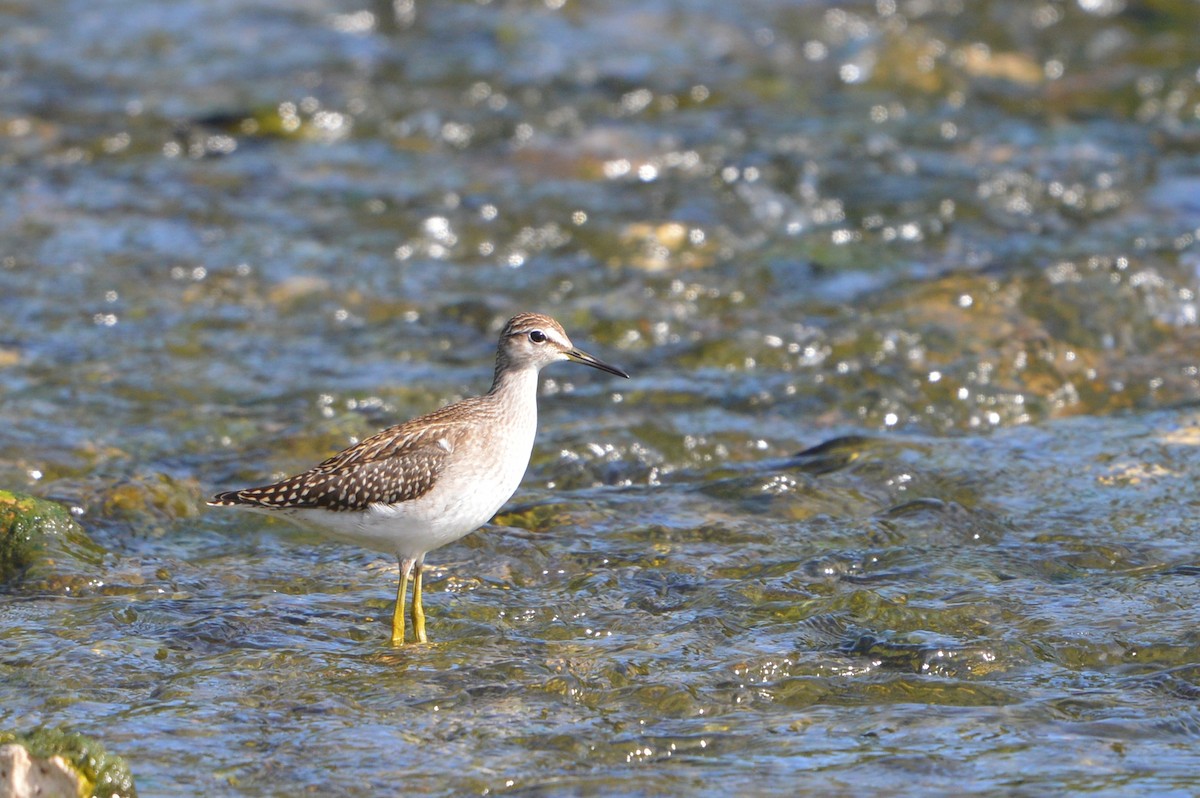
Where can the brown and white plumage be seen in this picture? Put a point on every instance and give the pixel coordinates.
(398, 464)
(427, 482)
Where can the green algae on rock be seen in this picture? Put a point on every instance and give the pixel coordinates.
(36, 535)
(58, 758)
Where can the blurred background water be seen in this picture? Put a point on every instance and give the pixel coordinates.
(948, 248)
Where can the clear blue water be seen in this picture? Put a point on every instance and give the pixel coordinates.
(955, 243)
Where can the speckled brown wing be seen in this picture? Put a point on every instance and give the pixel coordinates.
(396, 465)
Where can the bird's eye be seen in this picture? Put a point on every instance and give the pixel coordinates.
(537, 336)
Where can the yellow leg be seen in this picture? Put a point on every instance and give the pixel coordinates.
(398, 613)
(418, 608)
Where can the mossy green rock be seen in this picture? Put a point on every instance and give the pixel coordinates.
(37, 537)
(101, 774)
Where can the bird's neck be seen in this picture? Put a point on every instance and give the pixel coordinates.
(514, 384)
(514, 401)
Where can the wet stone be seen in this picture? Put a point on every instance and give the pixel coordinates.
(41, 544)
(58, 762)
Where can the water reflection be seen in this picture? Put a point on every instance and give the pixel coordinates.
(945, 251)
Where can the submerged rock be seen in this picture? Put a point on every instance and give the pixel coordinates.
(60, 763)
(39, 540)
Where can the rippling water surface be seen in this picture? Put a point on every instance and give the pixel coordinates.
(901, 497)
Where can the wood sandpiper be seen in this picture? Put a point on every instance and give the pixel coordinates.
(419, 485)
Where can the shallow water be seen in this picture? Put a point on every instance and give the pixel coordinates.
(948, 249)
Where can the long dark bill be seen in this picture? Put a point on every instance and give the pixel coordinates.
(579, 356)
